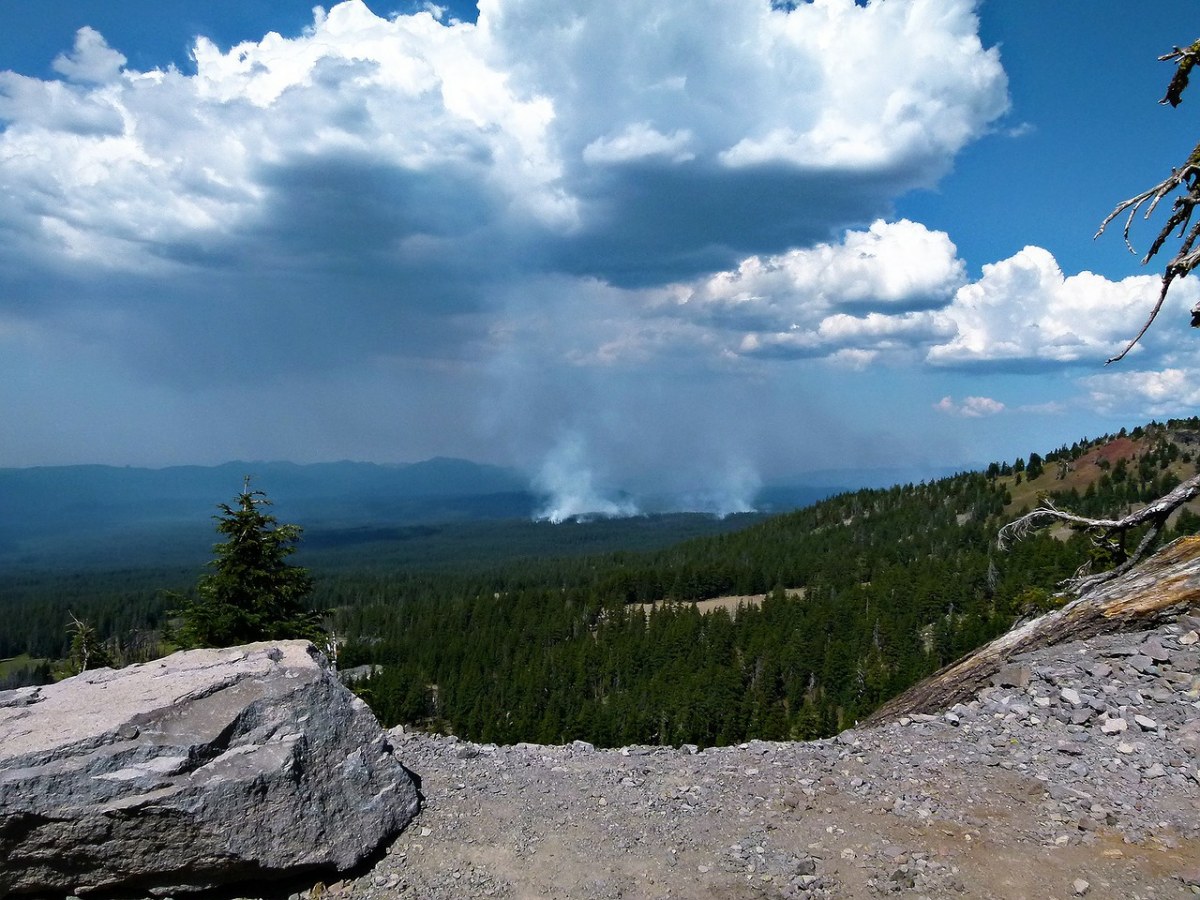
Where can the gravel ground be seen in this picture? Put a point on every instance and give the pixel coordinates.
(1076, 774)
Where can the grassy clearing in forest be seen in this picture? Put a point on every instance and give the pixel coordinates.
(729, 604)
(17, 663)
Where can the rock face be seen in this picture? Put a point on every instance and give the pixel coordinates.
(205, 768)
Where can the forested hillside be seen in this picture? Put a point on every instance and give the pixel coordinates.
(524, 631)
(896, 583)
(1097, 477)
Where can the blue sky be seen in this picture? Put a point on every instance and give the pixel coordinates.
(682, 249)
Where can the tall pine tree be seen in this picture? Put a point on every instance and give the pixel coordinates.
(253, 593)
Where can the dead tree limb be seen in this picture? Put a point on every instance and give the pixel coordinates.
(1185, 178)
(1106, 534)
(1185, 259)
(1184, 59)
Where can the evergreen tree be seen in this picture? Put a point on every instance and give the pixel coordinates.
(253, 593)
(87, 650)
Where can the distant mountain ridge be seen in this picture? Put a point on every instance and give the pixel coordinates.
(117, 515)
(326, 491)
(101, 511)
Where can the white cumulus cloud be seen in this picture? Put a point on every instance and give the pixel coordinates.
(890, 92)
(829, 85)
(898, 291)
(1024, 309)
(504, 112)
(1171, 391)
(640, 141)
(873, 287)
(92, 60)
(969, 407)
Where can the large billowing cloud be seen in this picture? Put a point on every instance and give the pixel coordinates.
(899, 292)
(695, 134)
(504, 231)
(1025, 310)
(894, 268)
(594, 225)
(405, 167)
(830, 87)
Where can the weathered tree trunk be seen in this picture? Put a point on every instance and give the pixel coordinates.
(1163, 586)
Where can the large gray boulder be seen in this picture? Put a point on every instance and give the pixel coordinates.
(205, 768)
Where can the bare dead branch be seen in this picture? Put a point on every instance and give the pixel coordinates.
(1042, 516)
(1184, 178)
(1106, 534)
(1185, 260)
(1185, 59)
(1162, 297)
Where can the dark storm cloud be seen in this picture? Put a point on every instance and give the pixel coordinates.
(522, 229)
(650, 224)
(357, 182)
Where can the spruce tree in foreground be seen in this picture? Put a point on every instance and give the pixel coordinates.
(253, 593)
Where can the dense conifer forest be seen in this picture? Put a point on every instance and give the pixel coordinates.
(895, 584)
(560, 637)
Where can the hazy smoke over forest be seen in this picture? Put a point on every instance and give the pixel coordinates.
(577, 487)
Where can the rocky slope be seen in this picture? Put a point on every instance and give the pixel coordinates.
(1077, 773)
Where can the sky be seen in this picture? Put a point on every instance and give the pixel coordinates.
(685, 249)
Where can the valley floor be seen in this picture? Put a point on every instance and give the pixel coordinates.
(1033, 791)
